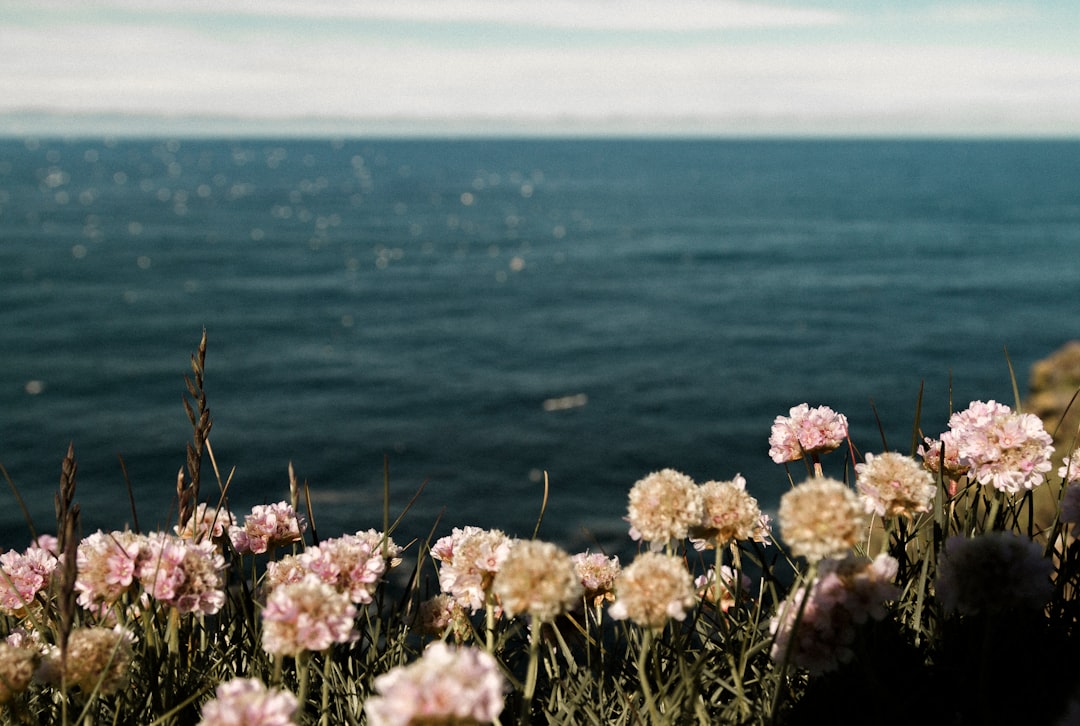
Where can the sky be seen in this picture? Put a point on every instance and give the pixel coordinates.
(453, 67)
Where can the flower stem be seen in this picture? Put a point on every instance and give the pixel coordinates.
(534, 667)
(643, 676)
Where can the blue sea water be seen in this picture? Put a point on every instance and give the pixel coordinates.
(480, 312)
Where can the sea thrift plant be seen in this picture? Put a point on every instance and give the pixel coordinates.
(820, 518)
(1069, 471)
(729, 514)
(537, 579)
(1009, 451)
(183, 574)
(894, 485)
(597, 573)
(469, 559)
(248, 702)
(995, 572)
(805, 432)
(206, 523)
(267, 527)
(23, 576)
(816, 626)
(440, 614)
(446, 685)
(663, 507)
(306, 616)
(351, 564)
(98, 658)
(109, 566)
(17, 667)
(652, 590)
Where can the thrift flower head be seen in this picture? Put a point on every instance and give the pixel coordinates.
(847, 593)
(894, 485)
(206, 523)
(597, 573)
(537, 579)
(268, 526)
(183, 574)
(994, 572)
(108, 567)
(1010, 451)
(348, 564)
(23, 576)
(730, 514)
(306, 616)
(445, 686)
(97, 658)
(440, 613)
(469, 558)
(1069, 471)
(820, 518)
(248, 702)
(930, 451)
(653, 589)
(806, 431)
(663, 507)
(16, 670)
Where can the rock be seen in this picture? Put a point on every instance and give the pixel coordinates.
(1052, 387)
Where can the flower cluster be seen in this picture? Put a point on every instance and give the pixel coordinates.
(446, 685)
(268, 526)
(1010, 451)
(894, 485)
(438, 614)
(97, 658)
(184, 574)
(206, 523)
(350, 563)
(248, 702)
(17, 667)
(820, 518)
(664, 506)
(469, 559)
(308, 615)
(653, 589)
(181, 573)
(994, 572)
(729, 514)
(538, 579)
(806, 432)
(597, 573)
(816, 626)
(24, 575)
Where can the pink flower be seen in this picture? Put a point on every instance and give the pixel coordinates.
(994, 572)
(597, 573)
(894, 485)
(730, 514)
(664, 506)
(1010, 451)
(24, 576)
(806, 432)
(108, 565)
(470, 557)
(848, 592)
(183, 574)
(1069, 471)
(306, 615)
(349, 564)
(268, 526)
(248, 702)
(653, 589)
(447, 685)
(206, 523)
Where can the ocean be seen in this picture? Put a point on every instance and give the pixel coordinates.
(477, 314)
